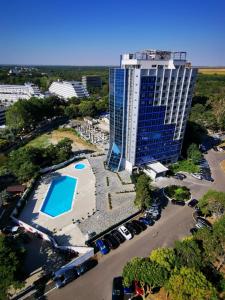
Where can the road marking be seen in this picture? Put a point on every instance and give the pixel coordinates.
(49, 291)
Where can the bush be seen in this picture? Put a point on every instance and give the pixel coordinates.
(178, 193)
(185, 166)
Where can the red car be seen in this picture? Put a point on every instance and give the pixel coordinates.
(138, 290)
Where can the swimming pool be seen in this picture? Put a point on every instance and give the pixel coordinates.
(60, 196)
(80, 166)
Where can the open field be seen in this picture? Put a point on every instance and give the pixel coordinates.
(55, 136)
(211, 71)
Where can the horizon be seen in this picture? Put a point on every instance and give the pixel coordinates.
(54, 34)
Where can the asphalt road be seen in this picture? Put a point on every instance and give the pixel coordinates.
(96, 284)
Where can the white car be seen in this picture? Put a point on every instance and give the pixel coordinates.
(197, 176)
(125, 232)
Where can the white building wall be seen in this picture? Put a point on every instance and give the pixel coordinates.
(68, 89)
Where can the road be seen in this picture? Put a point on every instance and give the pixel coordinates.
(97, 283)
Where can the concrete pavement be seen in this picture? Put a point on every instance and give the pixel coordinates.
(96, 284)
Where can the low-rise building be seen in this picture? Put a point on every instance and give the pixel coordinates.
(68, 89)
(10, 93)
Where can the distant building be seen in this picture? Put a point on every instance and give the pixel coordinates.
(11, 93)
(68, 89)
(91, 82)
(149, 103)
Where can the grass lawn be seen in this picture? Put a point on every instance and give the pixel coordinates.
(41, 141)
(185, 166)
(57, 135)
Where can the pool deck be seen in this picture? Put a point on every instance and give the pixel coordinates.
(64, 226)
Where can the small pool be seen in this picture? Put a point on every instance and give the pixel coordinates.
(60, 196)
(80, 166)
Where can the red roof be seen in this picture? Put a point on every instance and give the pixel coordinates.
(16, 188)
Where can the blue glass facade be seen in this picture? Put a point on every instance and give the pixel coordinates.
(154, 138)
(118, 114)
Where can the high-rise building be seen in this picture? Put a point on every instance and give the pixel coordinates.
(68, 89)
(149, 102)
(91, 81)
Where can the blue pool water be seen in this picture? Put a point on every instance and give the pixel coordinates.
(60, 196)
(79, 166)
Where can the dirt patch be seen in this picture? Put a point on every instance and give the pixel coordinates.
(222, 164)
(78, 144)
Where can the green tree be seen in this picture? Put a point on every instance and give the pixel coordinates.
(17, 116)
(189, 284)
(165, 257)
(4, 197)
(188, 254)
(72, 111)
(63, 150)
(87, 108)
(143, 197)
(148, 274)
(10, 266)
(193, 153)
(213, 202)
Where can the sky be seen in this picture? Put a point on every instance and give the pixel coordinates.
(96, 32)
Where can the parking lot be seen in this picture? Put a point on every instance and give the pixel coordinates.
(174, 224)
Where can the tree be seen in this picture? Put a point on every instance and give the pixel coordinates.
(10, 266)
(4, 197)
(188, 254)
(22, 163)
(72, 111)
(212, 203)
(165, 257)
(143, 197)
(87, 108)
(189, 284)
(147, 273)
(63, 150)
(193, 153)
(17, 116)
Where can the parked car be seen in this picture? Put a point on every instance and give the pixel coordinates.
(117, 235)
(146, 221)
(133, 228)
(176, 202)
(66, 277)
(111, 241)
(204, 222)
(155, 215)
(11, 229)
(138, 290)
(125, 232)
(102, 247)
(117, 288)
(86, 266)
(193, 203)
(197, 176)
(141, 225)
(180, 176)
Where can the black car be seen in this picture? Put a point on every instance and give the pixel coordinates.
(132, 228)
(193, 203)
(86, 266)
(66, 277)
(111, 241)
(204, 222)
(176, 202)
(180, 176)
(117, 288)
(140, 224)
(118, 236)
